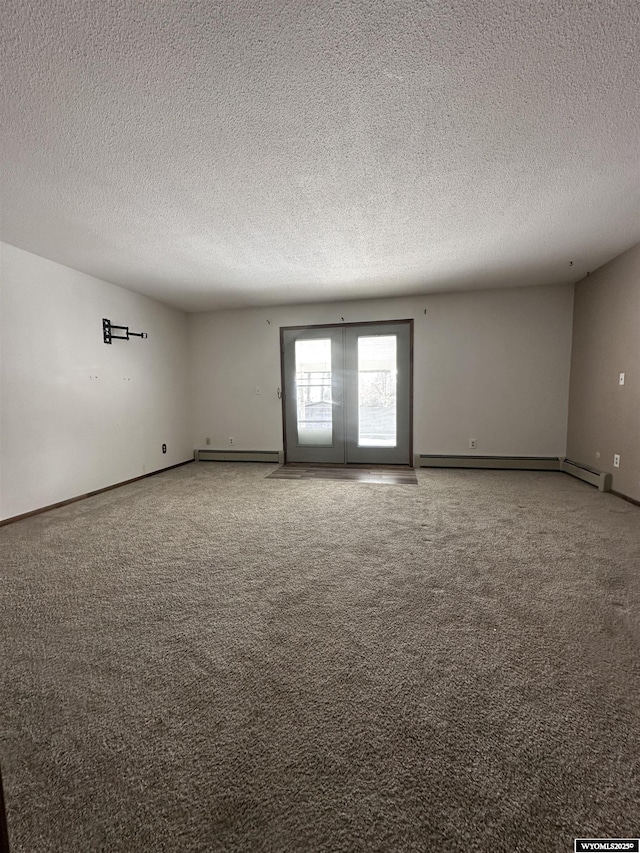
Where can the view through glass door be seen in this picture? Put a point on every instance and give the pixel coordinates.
(347, 393)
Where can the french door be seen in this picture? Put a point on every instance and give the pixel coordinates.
(347, 393)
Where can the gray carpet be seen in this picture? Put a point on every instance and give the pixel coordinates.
(210, 660)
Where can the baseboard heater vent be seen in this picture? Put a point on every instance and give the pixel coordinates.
(515, 463)
(208, 455)
(600, 479)
(590, 475)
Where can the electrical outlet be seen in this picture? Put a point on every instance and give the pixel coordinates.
(207, 440)
(616, 460)
(621, 379)
(230, 440)
(164, 448)
(473, 443)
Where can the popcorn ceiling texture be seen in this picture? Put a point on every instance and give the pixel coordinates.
(223, 154)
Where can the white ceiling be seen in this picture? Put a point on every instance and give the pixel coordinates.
(218, 154)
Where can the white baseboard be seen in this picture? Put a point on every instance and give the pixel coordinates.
(208, 455)
(514, 463)
(601, 479)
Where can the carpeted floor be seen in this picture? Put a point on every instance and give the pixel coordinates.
(211, 660)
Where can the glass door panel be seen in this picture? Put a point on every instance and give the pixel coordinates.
(313, 389)
(313, 392)
(377, 391)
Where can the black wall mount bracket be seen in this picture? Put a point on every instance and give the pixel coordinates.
(108, 332)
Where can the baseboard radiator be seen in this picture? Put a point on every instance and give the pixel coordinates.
(515, 463)
(600, 479)
(209, 455)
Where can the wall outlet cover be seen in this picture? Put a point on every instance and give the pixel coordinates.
(616, 460)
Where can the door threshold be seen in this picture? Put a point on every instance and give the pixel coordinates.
(401, 475)
(356, 466)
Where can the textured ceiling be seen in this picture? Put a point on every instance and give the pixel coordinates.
(218, 154)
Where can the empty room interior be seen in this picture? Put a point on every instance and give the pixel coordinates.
(319, 426)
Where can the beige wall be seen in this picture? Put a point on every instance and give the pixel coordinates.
(491, 365)
(604, 416)
(77, 415)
